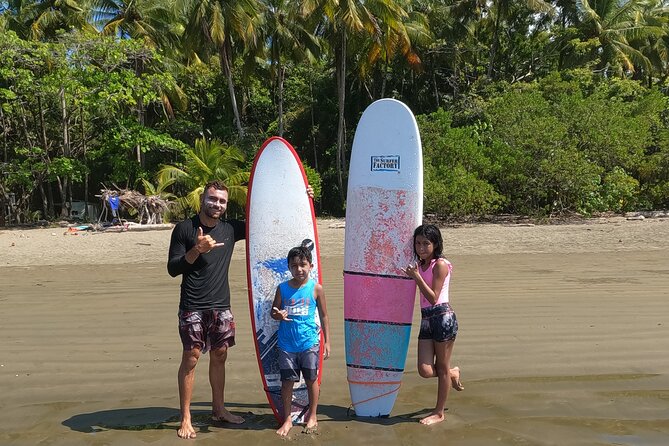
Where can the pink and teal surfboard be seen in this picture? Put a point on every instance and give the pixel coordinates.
(384, 205)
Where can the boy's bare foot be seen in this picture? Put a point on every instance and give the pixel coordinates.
(310, 429)
(285, 428)
(433, 418)
(186, 430)
(225, 415)
(455, 379)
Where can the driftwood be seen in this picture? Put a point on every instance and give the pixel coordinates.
(149, 209)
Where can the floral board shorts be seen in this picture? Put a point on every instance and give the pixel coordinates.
(206, 330)
(438, 323)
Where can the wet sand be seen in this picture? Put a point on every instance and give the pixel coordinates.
(564, 339)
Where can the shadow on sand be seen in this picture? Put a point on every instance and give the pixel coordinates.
(154, 418)
(347, 414)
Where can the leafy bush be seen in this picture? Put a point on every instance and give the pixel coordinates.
(455, 192)
(456, 166)
(314, 180)
(620, 191)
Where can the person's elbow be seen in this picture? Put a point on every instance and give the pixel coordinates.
(173, 269)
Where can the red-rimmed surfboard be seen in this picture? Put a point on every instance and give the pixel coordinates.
(384, 205)
(279, 216)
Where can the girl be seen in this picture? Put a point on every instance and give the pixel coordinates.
(439, 326)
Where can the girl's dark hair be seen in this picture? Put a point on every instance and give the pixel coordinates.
(432, 233)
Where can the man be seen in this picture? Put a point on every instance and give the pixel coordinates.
(200, 250)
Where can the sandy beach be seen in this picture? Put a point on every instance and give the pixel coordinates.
(564, 340)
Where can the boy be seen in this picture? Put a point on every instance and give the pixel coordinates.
(295, 302)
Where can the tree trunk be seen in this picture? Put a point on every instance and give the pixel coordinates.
(313, 122)
(49, 197)
(456, 72)
(140, 119)
(561, 55)
(61, 191)
(4, 203)
(45, 199)
(65, 199)
(48, 210)
(280, 88)
(494, 46)
(341, 99)
(141, 113)
(24, 127)
(384, 70)
(5, 132)
(83, 145)
(224, 55)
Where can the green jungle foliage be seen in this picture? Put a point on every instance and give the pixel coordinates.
(535, 108)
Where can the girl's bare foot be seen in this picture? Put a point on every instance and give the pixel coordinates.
(285, 428)
(455, 379)
(433, 418)
(186, 430)
(225, 415)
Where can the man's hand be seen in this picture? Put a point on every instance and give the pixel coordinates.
(205, 243)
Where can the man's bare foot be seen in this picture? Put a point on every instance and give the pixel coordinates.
(186, 430)
(226, 416)
(433, 418)
(285, 427)
(455, 379)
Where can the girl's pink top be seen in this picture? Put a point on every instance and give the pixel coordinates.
(427, 277)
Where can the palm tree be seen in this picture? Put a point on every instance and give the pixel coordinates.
(208, 161)
(655, 47)
(499, 12)
(10, 10)
(213, 25)
(41, 20)
(285, 35)
(455, 44)
(152, 21)
(398, 38)
(157, 198)
(615, 24)
(338, 20)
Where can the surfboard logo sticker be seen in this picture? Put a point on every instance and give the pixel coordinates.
(385, 163)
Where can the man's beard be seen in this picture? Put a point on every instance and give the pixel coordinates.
(211, 211)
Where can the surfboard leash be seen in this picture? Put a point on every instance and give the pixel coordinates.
(378, 383)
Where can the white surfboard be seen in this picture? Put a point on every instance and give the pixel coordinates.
(280, 216)
(384, 205)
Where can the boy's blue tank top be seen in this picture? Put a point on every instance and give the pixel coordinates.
(302, 332)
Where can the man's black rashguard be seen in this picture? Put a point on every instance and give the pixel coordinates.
(204, 285)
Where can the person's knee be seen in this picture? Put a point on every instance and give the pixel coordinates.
(219, 355)
(426, 371)
(189, 358)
